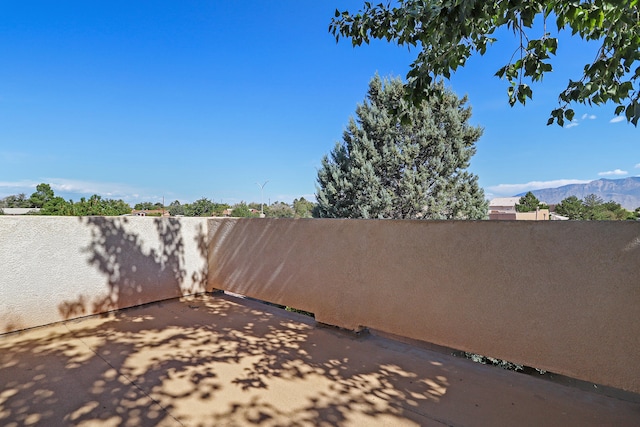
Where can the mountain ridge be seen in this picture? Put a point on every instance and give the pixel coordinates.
(625, 191)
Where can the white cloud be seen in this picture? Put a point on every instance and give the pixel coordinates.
(613, 172)
(9, 188)
(637, 166)
(18, 184)
(617, 119)
(576, 122)
(75, 189)
(105, 189)
(512, 189)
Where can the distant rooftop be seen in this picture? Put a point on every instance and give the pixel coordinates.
(504, 201)
(19, 211)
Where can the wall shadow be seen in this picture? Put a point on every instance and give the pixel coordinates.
(256, 258)
(514, 291)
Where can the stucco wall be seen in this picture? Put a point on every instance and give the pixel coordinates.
(539, 215)
(561, 296)
(56, 268)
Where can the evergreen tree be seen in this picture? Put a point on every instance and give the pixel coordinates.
(571, 207)
(415, 168)
(529, 203)
(42, 195)
(57, 206)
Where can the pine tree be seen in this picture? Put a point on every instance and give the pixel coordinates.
(414, 168)
(529, 203)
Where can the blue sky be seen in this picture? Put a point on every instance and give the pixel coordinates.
(188, 99)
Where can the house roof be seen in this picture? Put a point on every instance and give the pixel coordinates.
(19, 211)
(504, 201)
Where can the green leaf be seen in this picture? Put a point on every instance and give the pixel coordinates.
(450, 31)
(569, 113)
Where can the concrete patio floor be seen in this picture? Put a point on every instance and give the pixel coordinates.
(219, 360)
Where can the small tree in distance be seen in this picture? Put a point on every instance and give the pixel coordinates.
(592, 208)
(303, 208)
(242, 210)
(385, 168)
(571, 207)
(279, 210)
(42, 195)
(529, 202)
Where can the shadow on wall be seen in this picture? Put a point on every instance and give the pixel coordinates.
(137, 273)
(209, 361)
(248, 257)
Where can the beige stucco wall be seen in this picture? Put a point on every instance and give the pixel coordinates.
(560, 296)
(539, 215)
(55, 268)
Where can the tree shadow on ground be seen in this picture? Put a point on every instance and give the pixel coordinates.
(207, 361)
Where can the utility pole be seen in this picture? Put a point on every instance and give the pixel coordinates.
(262, 198)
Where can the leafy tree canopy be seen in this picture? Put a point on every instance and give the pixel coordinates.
(303, 208)
(219, 208)
(201, 207)
(242, 210)
(96, 205)
(148, 206)
(16, 201)
(279, 210)
(50, 204)
(592, 208)
(175, 208)
(448, 32)
(385, 168)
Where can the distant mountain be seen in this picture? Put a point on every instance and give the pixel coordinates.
(624, 191)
